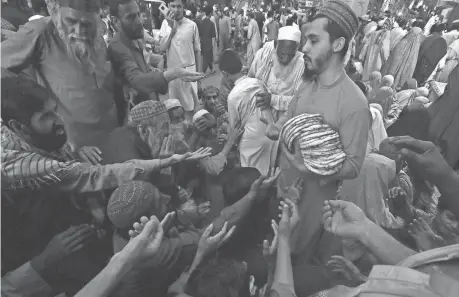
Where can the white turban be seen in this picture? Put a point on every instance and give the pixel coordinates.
(289, 33)
(171, 103)
(188, 13)
(199, 114)
(226, 9)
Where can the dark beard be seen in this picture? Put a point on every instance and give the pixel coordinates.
(49, 142)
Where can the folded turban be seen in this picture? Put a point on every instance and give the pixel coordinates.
(342, 14)
(130, 201)
(188, 13)
(82, 5)
(146, 109)
(289, 33)
(171, 103)
(199, 114)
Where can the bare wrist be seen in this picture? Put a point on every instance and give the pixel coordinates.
(364, 235)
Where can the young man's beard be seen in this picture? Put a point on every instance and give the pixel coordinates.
(319, 62)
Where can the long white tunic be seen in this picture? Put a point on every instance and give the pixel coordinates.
(182, 50)
(256, 150)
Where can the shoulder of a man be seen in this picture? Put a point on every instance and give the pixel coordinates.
(39, 26)
(353, 99)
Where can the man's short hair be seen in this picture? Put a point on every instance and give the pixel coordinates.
(38, 6)
(115, 6)
(438, 28)
(21, 98)
(335, 31)
(209, 90)
(230, 62)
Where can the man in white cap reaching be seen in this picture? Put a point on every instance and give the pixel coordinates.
(279, 65)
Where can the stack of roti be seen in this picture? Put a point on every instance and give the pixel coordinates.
(320, 145)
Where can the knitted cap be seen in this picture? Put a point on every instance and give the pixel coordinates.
(342, 14)
(146, 109)
(171, 103)
(129, 202)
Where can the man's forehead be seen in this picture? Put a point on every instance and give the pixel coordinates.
(317, 27)
(211, 93)
(77, 14)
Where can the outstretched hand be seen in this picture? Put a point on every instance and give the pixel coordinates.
(339, 264)
(265, 182)
(90, 154)
(425, 237)
(208, 244)
(269, 250)
(343, 218)
(423, 156)
(146, 238)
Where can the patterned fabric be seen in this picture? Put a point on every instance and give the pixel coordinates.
(146, 109)
(129, 202)
(26, 167)
(342, 14)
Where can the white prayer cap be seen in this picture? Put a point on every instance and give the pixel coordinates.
(289, 33)
(199, 114)
(171, 103)
(381, 23)
(225, 9)
(188, 13)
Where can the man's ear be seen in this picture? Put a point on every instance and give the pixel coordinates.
(143, 132)
(338, 44)
(17, 127)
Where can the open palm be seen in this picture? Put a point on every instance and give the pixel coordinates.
(343, 218)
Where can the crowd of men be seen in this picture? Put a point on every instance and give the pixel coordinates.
(122, 175)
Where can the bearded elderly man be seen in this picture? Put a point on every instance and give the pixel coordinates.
(330, 92)
(279, 65)
(68, 56)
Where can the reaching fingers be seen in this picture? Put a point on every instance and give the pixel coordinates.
(285, 214)
(144, 220)
(218, 237)
(81, 237)
(167, 220)
(410, 143)
(228, 235)
(153, 228)
(207, 231)
(132, 234)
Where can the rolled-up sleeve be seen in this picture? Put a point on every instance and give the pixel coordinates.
(24, 281)
(126, 66)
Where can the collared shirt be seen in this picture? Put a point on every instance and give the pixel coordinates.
(85, 98)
